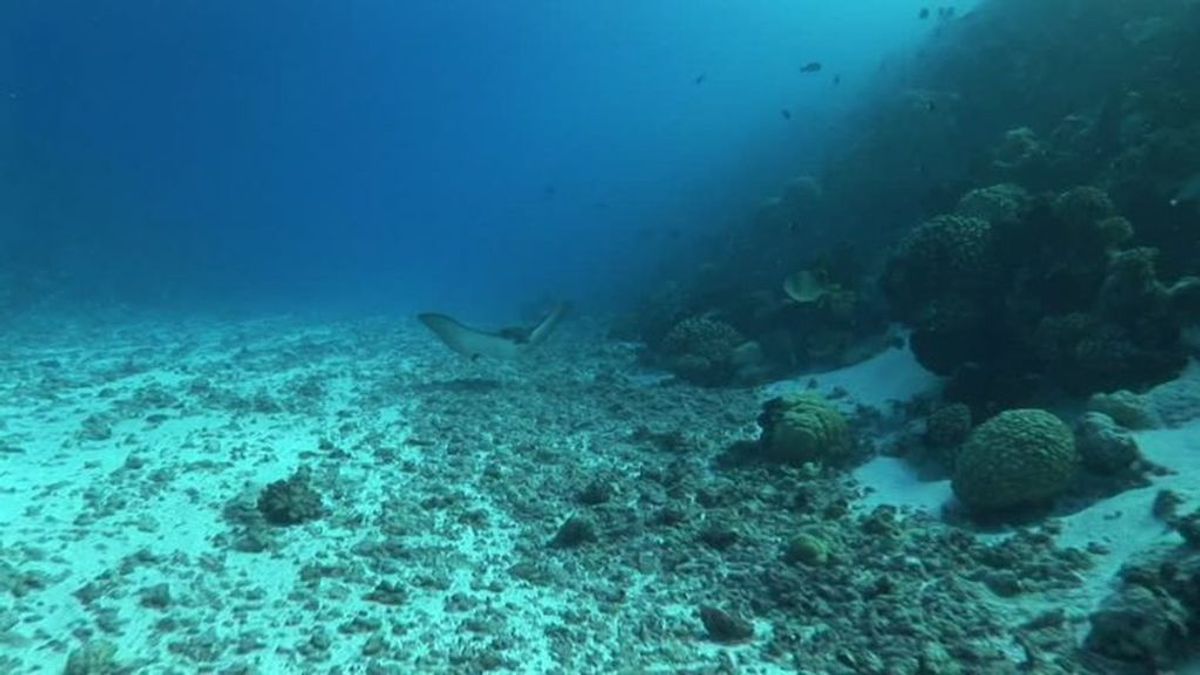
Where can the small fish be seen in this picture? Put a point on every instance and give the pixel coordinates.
(787, 114)
(700, 78)
(1188, 192)
(946, 12)
(837, 79)
(811, 67)
(924, 13)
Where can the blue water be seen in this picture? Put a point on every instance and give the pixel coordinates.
(471, 156)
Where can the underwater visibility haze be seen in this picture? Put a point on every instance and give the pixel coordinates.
(471, 153)
(600, 337)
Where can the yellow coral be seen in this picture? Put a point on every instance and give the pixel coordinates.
(1017, 458)
(804, 428)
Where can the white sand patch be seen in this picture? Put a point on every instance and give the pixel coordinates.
(892, 376)
(124, 446)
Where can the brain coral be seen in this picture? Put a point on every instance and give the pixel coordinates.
(804, 428)
(1017, 458)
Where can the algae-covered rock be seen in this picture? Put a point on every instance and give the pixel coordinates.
(98, 657)
(1126, 408)
(1104, 446)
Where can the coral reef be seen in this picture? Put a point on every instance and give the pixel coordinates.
(1035, 293)
(946, 429)
(701, 350)
(804, 428)
(1018, 458)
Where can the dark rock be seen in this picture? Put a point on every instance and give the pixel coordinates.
(719, 537)
(291, 502)
(1139, 626)
(724, 627)
(156, 597)
(576, 531)
(597, 492)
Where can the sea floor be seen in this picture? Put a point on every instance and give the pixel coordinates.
(133, 452)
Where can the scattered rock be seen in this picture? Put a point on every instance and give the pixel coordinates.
(575, 532)
(292, 501)
(1103, 446)
(724, 627)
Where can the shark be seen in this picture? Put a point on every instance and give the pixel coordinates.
(504, 344)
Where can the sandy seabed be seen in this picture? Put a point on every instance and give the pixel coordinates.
(133, 453)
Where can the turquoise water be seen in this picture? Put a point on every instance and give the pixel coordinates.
(541, 337)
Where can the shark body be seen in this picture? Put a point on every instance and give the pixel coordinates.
(504, 344)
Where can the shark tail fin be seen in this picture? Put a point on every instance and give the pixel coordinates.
(546, 326)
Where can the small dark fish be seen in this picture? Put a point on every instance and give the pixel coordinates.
(700, 78)
(924, 13)
(549, 191)
(946, 12)
(837, 79)
(787, 114)
(811, 67)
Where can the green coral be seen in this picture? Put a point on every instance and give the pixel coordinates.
(808, 549)
(702, 350)
(1003, 203)
(1083, 206)
(1113, 231)
(948, 426)
(946, 252)
(804, 428)
(1018, 458)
